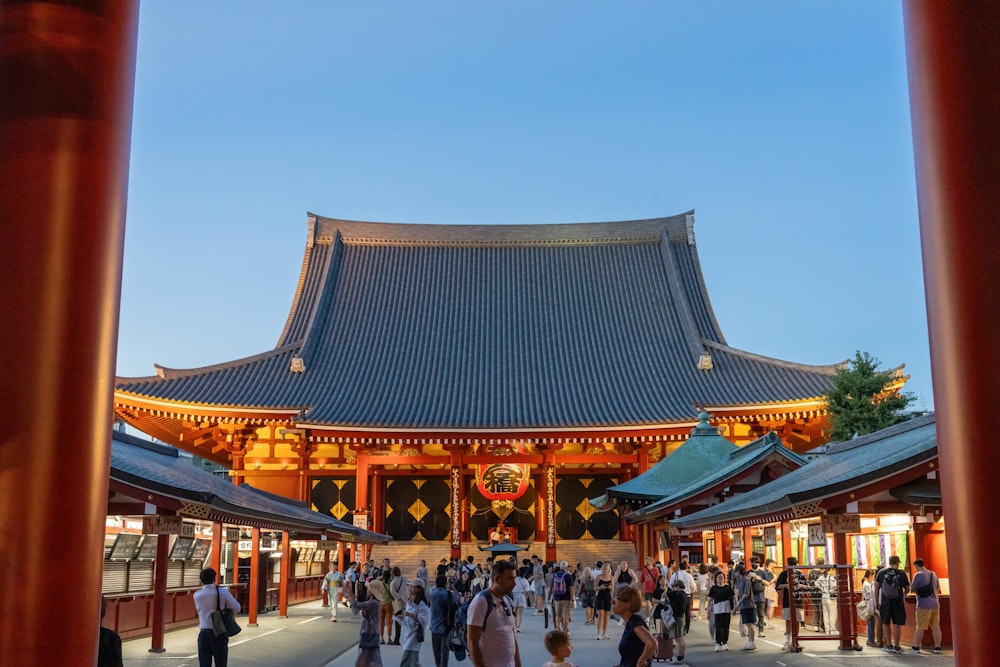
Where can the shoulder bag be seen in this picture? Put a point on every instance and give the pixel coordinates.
(223, 621)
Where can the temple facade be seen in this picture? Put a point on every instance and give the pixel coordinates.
(434, 381)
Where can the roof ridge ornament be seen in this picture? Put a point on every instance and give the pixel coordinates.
(705, 361)
(298, 365)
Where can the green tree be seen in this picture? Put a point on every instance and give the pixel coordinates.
(863, 399)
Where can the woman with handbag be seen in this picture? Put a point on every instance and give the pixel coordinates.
(414, 618)
(210, 599)
(868, 600)
(368, 646)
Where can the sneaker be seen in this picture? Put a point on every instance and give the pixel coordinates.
(598, 638)
(725, 647)
(873, 644)
(606, 637)
(937, 649)
(914, 649)
(897, 650)
(888, 649)
(749, 647)
(718, 647)
(786, 646)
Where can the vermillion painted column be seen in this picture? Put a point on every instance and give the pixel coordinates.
(67, 72)
(286, 574)
(160, 568)
(255, 592)
(953, 57)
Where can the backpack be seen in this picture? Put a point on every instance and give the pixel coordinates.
(559, 583)
(455, 639)
(890, 584)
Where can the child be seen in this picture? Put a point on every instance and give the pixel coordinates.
(557, 644)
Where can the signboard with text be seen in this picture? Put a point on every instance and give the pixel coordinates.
(842, 523)
(161, 525)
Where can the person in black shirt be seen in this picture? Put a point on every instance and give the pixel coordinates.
(109, 647)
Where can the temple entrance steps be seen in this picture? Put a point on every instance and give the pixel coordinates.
(407, 555)
(589, 552)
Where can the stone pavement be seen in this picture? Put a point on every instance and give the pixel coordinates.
(308, 639)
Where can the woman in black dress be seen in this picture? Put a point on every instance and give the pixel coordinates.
(603, 584)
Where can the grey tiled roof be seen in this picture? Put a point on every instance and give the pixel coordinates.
(155, 468)
(502, 326)
(845, 466)
(736, 463)
(704, 451)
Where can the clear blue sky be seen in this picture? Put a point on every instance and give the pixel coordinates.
(785, 125)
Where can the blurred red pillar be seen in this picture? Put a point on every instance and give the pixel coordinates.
(67, 72)
(953, 56)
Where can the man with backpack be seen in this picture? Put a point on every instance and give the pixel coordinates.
(489, 632)
(926, 586)
(890, 589)
(562, 596)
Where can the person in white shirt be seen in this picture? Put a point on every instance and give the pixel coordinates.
(683, 576)
(490, 628)
(207, 600)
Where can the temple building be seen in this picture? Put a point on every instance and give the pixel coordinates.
(432, 382)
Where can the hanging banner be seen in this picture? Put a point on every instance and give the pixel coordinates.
(502, 480)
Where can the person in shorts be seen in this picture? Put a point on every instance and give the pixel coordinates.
(563, 596)
(928, 606)
(891, 585)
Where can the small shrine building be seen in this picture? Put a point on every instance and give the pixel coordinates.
(434, 381)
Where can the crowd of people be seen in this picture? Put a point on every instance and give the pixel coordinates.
(654, 606)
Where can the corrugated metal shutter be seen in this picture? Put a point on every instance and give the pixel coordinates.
(115, 578)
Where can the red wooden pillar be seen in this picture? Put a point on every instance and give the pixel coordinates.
(748, 532)
(361, 481)
(254, 597)
(845, 607)
(377, 495)
(457, 501)
(550, 508)
(160, 568)
(66, 78)
(786, 542)
(286, 574)
(954, 63)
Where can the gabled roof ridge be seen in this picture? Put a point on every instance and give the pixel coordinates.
(826, 369)
(165, 373)
(887, 432)
(398, 233)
